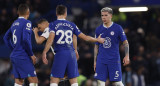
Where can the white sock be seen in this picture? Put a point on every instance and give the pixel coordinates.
(53, 84)
(101, 83)
(33, 84)
(119, 83)
(15, 84)
(74, 84)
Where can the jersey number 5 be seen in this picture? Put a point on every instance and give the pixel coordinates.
(68, 35)
(14, 37)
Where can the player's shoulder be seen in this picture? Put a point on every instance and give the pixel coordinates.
(117, 25)
(72, 23)
(22, 20)
(53, 23)
(99, 27)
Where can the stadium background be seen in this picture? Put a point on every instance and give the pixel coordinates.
(142, 30)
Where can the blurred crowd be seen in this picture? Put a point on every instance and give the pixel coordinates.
(142, 30)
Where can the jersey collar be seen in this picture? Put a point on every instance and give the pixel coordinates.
(106, 26)
(20, 17)
(61, 19)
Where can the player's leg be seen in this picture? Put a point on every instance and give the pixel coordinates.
(18, 82)
(101, 83)
(117, 83)
(72, 69)
(32, 78)
(58, 68)
(115, 74)
(101, 73)
(33, 81)
(54, 81)
(26, 70)
(73, 81)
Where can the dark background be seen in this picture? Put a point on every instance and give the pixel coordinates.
(142, 30)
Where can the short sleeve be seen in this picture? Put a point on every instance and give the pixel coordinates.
(52, 28)
(122, 35)
(76, 30)
(45, 34)
(28, 27)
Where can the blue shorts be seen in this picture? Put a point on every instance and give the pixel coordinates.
(105, 71)
(65, 61)
(23, 68)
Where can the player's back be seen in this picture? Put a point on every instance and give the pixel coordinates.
(64, 31)
(17, 29)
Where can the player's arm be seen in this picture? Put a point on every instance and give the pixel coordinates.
(39, 39)
(47, 46)
(7, 39)
(126, 59)
(95, 55)
(75, 45)
(91, 39)
(26, 38)
(27, 31)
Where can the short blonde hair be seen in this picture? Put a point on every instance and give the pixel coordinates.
(107, 9)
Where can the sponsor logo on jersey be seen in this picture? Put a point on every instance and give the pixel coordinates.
(107, 43)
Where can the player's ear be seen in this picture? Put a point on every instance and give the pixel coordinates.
(111, 16)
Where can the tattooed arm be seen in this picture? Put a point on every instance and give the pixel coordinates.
(126, 59)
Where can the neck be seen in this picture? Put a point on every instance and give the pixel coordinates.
(25, 16)
(108, 24)
(61, 17)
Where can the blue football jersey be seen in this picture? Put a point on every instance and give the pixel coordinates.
(18, 38)
(64, 31)
(108, 52)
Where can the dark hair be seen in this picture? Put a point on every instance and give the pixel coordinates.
(22, 9)
(61, 9)
(41, 20)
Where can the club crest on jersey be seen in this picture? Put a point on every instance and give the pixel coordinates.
(112, 33)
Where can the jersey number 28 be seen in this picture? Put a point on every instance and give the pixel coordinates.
(68, 38)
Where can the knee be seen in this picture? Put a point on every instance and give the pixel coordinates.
(73, 80)
(101, 83)
(54, 80)
(119, 83)
(33, 79)
(19, 81)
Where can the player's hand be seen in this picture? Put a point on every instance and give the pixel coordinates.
(94, 66)
(126, 61)
(77, 55)
(33, 59)
(35, 29)
(100, 40)
(44, 59)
